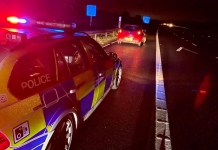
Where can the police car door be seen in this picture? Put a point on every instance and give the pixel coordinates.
(81, 74)
(98, 60)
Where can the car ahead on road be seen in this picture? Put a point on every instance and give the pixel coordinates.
(131, 34)
(51, 81)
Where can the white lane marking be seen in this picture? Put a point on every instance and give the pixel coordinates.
(182, 48)
(109, 44)
(162, 132)
(106, 45)
(194, 44)
(179, 49)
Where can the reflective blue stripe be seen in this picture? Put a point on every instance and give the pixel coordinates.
(86, 103)
(36, 144)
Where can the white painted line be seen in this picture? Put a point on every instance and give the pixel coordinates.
(182, 48)
(179, 49)
(190, 51)
(194, 44)
(109, 44)
(162, 132)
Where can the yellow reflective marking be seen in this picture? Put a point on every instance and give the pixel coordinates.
(95, 98)
(85, 82)
(49, 128)
(99, 92)
(101, 88)
(19, 113)
(6, 67)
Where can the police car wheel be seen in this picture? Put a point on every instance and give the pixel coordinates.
(63, 135)
(117, 79)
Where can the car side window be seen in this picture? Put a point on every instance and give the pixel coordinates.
(63, 70)
(33, 72)
(95, 51)
(73, 57)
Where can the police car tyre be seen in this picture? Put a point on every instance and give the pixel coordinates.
(63, 135)
(117, 78)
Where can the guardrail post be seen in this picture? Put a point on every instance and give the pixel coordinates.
(95, 37)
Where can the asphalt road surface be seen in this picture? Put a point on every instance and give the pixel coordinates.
(191, 81)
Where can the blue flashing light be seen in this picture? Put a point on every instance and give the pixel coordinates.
(79, 34)
(22, 20)
(52, 30)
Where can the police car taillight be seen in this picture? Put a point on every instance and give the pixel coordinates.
(4, 142)
(15, 37)
(15, 20)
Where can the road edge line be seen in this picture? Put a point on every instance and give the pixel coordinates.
(162, 130)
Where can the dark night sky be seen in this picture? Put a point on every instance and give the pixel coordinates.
(197, 10)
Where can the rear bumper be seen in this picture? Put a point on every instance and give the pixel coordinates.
(126, 40)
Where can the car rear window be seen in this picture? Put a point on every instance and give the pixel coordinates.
(131, 27)
(32, 73)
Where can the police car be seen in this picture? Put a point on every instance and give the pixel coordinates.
(52, 79)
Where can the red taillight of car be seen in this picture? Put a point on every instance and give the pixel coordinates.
(120, 30)
(139, 32)
(4, 142)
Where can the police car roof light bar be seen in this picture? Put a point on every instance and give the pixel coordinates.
(56, 25)
(15, 20)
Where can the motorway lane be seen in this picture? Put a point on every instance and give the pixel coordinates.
(191, 81)
(125, 119)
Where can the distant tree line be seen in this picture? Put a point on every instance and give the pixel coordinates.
(74, 11)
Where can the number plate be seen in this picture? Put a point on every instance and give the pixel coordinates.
(129, 38)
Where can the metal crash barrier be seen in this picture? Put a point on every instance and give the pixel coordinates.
(103, 36)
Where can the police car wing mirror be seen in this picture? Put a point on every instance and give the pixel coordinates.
(112, 55)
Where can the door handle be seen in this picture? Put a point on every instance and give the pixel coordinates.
(101, 73)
